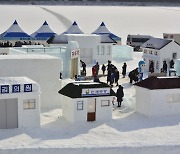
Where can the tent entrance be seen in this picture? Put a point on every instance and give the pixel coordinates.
(74, 67)
(91, 115)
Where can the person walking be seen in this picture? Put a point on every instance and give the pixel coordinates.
(83, 65)
(116, 76)
(120, 95)
(165, 66)
(124, 70)
(97, 68)
(103, 68)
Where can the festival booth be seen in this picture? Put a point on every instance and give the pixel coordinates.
(19, 103)
(43, 33)
(94, 48)
(43, 69)
(14, 33)
(104, 32)
(87, 101)
(157, 50)
(158, 96)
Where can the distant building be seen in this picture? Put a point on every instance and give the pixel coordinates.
(158, 96)
(172, 36)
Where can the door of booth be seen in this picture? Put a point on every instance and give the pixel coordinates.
(91, 115)
(8, 113)
(74, 67)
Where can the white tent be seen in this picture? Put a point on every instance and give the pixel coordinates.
(107, 36)
(74, 29)
(43, 33)
(15, 33)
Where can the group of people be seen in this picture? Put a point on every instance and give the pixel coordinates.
(17, 44)
(113, 74)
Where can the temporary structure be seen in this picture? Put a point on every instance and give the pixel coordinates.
(158, 96)
(19, 103)
(87, 101)
(107, 36)
(15, 33)
(43, 33)
(74, 29)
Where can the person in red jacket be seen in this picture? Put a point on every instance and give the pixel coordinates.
(93, 71)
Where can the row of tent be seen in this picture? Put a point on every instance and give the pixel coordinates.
(45, 32)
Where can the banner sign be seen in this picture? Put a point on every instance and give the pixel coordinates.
(96, 92)
(16, 88)
(75, 53)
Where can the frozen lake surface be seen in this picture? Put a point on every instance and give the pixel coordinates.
(120, 20)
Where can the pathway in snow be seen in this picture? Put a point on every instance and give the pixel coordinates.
(64, 20)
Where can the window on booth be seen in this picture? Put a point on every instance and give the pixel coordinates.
(105, 103)
(29, 104)
(108, 50)
(102, 50)
(80, 105)
(98, 50)
(174, 55)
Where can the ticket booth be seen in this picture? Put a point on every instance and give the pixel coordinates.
(87, 101)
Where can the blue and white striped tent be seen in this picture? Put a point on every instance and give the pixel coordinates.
(43, 33)
(107, 36)
(15, 33)
(63, 38)
(74, 29)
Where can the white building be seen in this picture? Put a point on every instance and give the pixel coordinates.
(94, 48)
(158, 96)
(158, 50)
(87, 101)
(19, 103)
(43, 69)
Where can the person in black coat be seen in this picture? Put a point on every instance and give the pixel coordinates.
(103, 68)
(165, 66)
(116, 76)
(120, 95)
(124, 70)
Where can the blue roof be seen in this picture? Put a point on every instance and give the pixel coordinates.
(16, 34)
(155, 43)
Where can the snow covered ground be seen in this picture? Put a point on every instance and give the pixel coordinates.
(128, 132)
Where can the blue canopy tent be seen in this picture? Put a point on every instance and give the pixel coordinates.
(74, 29)
(43, 33)
(63, 38)
(106, 34)
(15, 33)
